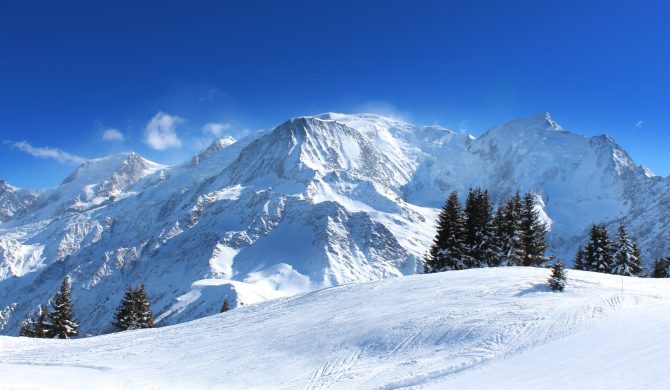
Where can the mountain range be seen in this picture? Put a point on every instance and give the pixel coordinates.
(317, 201)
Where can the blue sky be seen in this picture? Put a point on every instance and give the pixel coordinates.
(73, 71)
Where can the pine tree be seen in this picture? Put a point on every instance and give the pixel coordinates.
(626, 257)
(479, 230)
(447, 250)
(41, 324)
(63, 324)
(580, 260)
(225, 307)
(599, 250)
(659, 269)
(145, 319)
(533, 232)
(508, 231)
(26, 329)
(558, 278)
(134, 311)
(125, 317)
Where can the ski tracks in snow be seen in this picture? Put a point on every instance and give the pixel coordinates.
(331, 372)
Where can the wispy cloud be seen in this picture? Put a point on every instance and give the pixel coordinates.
(464, 126)
(112, 135)
(161, 132)
(638, 124)
(216, 129)
(383, 108)
(45, 152)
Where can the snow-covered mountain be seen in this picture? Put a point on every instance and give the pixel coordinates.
(490, 328)
(318, 201)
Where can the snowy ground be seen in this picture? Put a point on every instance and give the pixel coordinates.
(482, 328)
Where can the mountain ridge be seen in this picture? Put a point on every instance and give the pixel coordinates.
(317, 201)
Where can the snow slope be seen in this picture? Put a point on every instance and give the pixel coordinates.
(317, 201)
(483, 328)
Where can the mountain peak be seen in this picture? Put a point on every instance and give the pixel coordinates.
(216, 146)
(97, 169)
(531, 126)
(541, 121)
(122, 168)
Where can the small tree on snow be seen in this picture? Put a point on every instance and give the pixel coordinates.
(225, 307)
(63, 324)
(557, 279)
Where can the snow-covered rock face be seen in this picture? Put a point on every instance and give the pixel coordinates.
(318, 201)
(14, 202)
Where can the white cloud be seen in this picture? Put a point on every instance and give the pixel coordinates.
(216, 129)
(57, 154)
(112, 135)
(161, 134)
(638, 125)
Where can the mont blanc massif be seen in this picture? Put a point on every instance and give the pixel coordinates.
(318, 201)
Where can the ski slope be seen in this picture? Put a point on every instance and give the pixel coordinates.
(479, 328)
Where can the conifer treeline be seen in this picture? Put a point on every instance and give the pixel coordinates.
(601, 254)
(476, 237)
(134, 312)
(620, 256)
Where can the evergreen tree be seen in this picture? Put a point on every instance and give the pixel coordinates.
(626, 257)
(63, 324)
(479, 230)
(580, 260)
(533, 233)
(659, 269)
(225, 307)
(42, 325)
(500, 238)
(599, 250)
(145, 319)
(508, 232)
(134, 311)
(447, 250)
(558, 277)
(37, 325)
(125, 317)
(26, 329)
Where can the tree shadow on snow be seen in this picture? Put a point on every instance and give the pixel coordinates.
(535, 288)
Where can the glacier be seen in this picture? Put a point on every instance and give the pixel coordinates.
(318, 201)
